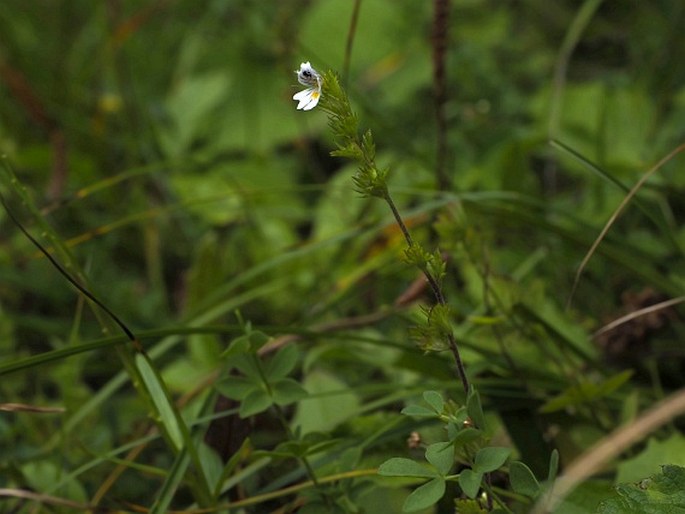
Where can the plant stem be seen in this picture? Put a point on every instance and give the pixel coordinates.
(303, 460)
(441, 9)
(350, 40)
(437, 292)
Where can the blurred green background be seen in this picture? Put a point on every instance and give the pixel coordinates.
(159, 140)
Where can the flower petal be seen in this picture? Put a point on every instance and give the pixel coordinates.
(313, 100)
(307, 99)
(308, 76)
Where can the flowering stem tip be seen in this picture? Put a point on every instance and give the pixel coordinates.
(308, 76)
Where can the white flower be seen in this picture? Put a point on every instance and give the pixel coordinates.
(308, 76)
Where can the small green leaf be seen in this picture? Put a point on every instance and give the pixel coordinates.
(466, 506)
(349, 459)
(238, 346)
(441, 455)
(399, 467)
(474, 408)
(586, 392)
(466, 436)
(612, 383)
(282, 363)
(257, 340)
(553, 465)
(490, 459)
(255, 402)
(418, 411)
(321, 507)
(469, 481)
(425, 495)
(352, 151)
(310, 444)
(211, 464)
(234, 387)
(169, 419)
(247, 364)
(287, 391)
(287, 449)
(434, 399)
(523, 480)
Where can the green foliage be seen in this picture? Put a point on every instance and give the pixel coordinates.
(662, 493)
(586, 392)
(260, 385)
(523, 480)
(432, 332)
(440, 459)
(487, 459)
(650, 460)
(154, 152)
(474, 408)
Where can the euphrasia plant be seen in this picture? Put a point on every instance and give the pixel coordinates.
(371, 181)
(465, 424)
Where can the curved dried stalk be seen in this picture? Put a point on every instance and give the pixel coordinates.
(609, 448)
(616, 214)
(636, 314)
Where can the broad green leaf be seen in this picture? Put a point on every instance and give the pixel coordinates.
(190, 106)
(282, 363)
(474, 408)
(424, 496)
(469, 481)
(330, 402)
(400, 467)
(287, 391)
(523, 480)
(441, 455)
(255, 402)
(490, 459)
(629, 111)
(418, 411)
(434, 399)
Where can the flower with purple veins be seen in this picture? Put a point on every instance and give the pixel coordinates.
(308, 76)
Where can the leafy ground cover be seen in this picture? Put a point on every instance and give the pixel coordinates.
(473, 305)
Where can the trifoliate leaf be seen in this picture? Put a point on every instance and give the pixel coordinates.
(399, 467)
(425, 496)
(441, 455)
